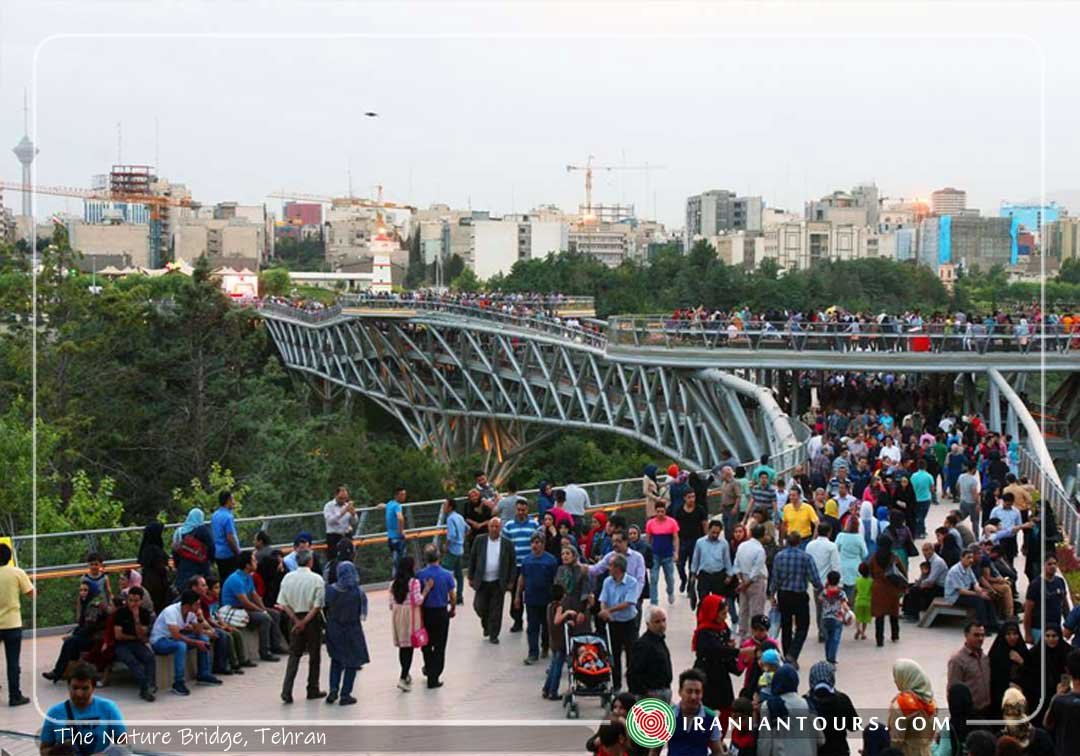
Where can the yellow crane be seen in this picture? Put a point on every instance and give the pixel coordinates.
(589, 167)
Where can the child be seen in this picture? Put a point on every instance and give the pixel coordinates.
(743, 734)
(834, 607)
(95, 573)
(237, 652)
(770, 662)
(556, 620)
(862, 601)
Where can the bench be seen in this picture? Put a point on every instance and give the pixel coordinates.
(940, 608)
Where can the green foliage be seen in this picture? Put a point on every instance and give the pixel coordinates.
(274, 282)
(1070, 271)
(466, 281)
(91, 508)
(205, 495)
(301, 254)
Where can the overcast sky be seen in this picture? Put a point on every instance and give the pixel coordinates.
(486, 103)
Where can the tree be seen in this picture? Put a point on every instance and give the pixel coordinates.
(274, 282)
(466, 281)
(1070, 271)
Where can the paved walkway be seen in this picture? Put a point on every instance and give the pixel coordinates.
(483, 681)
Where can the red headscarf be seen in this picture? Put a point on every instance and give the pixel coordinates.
(707, 619)
(586, 542)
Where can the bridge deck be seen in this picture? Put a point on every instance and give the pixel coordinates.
(483, 681)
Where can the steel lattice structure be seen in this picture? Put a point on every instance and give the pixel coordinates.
(460, 384)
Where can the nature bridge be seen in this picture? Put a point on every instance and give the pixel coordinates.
(462, 378)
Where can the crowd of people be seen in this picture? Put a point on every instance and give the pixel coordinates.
(1018, 329)
(755, 553)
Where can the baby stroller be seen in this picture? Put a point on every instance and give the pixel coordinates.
(589, 668)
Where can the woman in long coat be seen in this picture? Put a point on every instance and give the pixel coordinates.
(346, 606)
(884, 596)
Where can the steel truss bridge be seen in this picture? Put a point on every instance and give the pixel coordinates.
(462, 378)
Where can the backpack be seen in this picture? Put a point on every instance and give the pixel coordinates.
(192, 549)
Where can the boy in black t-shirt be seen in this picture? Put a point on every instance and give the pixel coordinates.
(1063, 719)
(131, 624)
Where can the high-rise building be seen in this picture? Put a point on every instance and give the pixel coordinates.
(7, 223)
(801, 244)
(1033, 218)
(303, 213)
(25, 151)
(948, 201)
(968, 241)
(718, 210)
(859, 207)
(1062, 239)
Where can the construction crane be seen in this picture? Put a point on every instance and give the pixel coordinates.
(156, 202)
(588, 168)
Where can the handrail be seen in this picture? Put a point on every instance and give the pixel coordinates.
(789, 334)
(1052, 492)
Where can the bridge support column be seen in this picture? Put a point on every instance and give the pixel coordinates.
(994, 415)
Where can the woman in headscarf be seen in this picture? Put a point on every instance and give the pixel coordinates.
(868, 526)
(905, 495)
(1008, 658)
(832, 516)
(552, 539)
(344, 552)
(269, 572)
(950, 742)
(784, 705)
(1056, 651)
(155, 565)
(573, 576)
(911, 713)
(406, 597)
(954, 466)
(133, 579)
(826, 701)
(852, 550)
(600, 522)
(193, 548)
(91, 613)
(1014, 710)
(903, 545)
(346, 607)
(650, 489)
(884, 596)
(715, 654)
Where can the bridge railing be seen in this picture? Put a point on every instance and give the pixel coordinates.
(1052, 494)
(662, 331)
(593, 337)
(301, 313)
(61, 554)
(550, 302)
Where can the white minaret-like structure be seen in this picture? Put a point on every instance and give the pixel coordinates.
(25, 152)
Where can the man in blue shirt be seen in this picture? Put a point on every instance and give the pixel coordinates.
(439, 608)
(456, 528)
(519, 530)
(226, 542)
(711, 561)
(395, 526)
(239, 598)
(536, 574)
(104, 724)
(697, 728)
(923, 483)
(618, 607)
(792, 569)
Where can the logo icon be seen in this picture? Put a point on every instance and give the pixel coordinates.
(650, 723)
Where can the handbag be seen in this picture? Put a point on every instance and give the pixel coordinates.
(895, 577)
(418, 638)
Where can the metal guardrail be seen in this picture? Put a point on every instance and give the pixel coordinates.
(539, 322)
(723, 334)
(300, 313)
(1065, 507)
(62, 552)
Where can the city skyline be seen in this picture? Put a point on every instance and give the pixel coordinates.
(491, 122)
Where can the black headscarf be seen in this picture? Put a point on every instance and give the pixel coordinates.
(152, 547)
(883, 556)
(269, 571)
(1001, 669)
(960, 710)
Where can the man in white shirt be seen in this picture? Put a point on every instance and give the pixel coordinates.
(826, 558)
(577, 500)
(491, 569)
(341, 519)
(174, 633)
(301, 597)
(890, 452)
(750, 568)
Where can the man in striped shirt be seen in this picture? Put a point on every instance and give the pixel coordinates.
(519, 530)
(763, 497)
